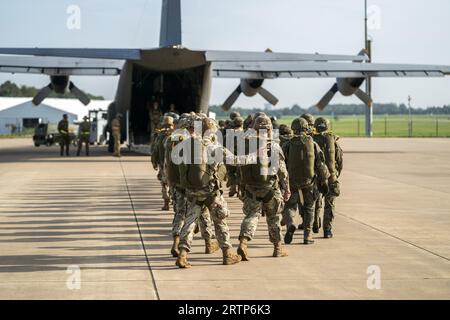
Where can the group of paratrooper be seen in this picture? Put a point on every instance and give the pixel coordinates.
(288, 171)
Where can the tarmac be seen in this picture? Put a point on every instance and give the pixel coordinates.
(92, 228)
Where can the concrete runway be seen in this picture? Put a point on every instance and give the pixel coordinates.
(102, 215)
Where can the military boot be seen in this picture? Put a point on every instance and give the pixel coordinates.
(317, 225)
(279, 250)
(289, 234)
(175, 251)
(307, 238)
(211, 246)
(327, 234)
(242, 249)
(182, 261)
(229, 257)
(166, 206)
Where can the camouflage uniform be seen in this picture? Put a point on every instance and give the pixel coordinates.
(304, 194)
(116, 133)
(233, 173)
(84, 133)
(63, 129)
(262, 193)
(158, 158)
(154, 118)
(328, 144)
(209, 196)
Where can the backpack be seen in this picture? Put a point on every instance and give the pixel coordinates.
(327, 143)
(196, 174)
(339, 156)
(172, 170)
(301, 160)
(253, 174)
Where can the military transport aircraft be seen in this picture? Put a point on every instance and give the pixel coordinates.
(184, 76)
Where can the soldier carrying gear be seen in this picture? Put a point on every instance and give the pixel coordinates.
(116, 133)
(179, 198)
(304, 161)
(233, 181)
(202, 180)
(333, 154)
(266, 188)
(154, 115)
(63, 129)
(84, 134)
(158, 157)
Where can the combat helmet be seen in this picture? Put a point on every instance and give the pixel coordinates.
(234, 115)
(300, 125)
(322, 124)
(308, 117)
(262, 122)
(238, 122)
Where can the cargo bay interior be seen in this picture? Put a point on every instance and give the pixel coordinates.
(181, 88)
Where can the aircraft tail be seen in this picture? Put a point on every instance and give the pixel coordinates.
(170, 23)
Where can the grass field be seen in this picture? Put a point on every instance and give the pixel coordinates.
(388, 126)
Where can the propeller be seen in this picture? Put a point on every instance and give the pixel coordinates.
(59, 85)
(347, 87)
(250, 88)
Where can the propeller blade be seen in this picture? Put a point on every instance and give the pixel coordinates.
(364, 97)
(327, 97)
(42, 94)
(231, 99)
(79, 94)
(268, 96)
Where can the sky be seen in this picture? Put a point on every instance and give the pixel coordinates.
(403, 31)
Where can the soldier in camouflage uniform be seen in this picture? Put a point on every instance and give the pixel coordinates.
(233, 173)
(328, 142)
(64, 136)
(316, 224)
(306, 171)
(84, 133)
(179, 195)
(204, 189)
(158, 157)
(154, 115)
(262, 180)
(116, 133)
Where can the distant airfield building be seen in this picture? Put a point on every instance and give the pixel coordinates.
(17, 114)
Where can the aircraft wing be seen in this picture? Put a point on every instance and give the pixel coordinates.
(263, 66)
(112, 54)
(60, 66)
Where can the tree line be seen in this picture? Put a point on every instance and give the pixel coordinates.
(340, 109)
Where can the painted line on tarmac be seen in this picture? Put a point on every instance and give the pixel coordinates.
(152, 275)
(395, 237)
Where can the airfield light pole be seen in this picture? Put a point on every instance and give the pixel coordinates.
(368, 46)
